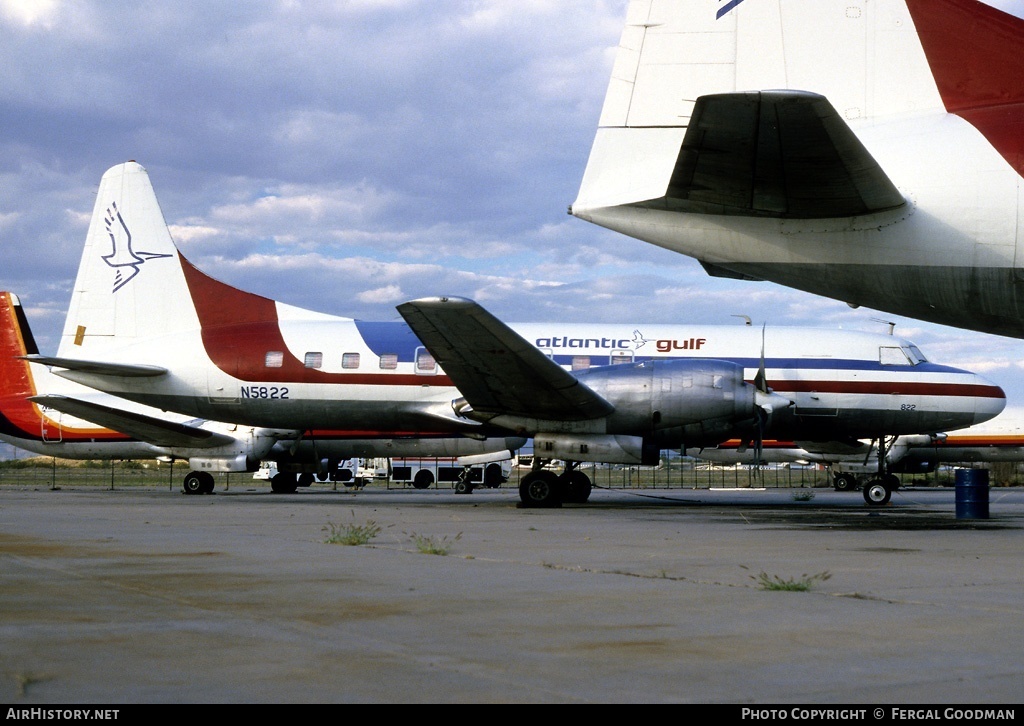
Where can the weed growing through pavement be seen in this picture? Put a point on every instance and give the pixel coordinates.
(351, 534)
(427, 545)
(793, 584)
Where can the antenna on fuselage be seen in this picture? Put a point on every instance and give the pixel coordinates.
(891, 324)
(746, 319)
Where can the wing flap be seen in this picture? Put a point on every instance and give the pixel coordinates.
(144, 428)
(494, 368)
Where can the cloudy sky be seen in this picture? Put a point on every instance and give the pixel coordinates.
(348, 155)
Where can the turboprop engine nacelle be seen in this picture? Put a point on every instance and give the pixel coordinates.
(251, 445)
(609, 448)
(663, 395)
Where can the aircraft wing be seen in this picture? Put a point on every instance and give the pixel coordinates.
(775, 154)
(495, 369)
(144, 428)
(101, 368)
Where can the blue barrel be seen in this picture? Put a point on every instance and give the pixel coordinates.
(972, 493)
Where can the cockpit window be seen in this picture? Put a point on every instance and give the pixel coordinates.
(892, 356)
(916, 356)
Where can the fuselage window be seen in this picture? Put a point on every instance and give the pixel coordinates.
(389, 361)
(274, 359)
(314, 360)
(580, 362)
(349, 360)
(425, 362)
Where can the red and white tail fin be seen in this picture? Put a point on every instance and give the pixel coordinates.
(134, 286)
(864, 57)
(22, 422)
(976, 54)
(130, 282)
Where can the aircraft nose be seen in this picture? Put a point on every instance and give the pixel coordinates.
(990, 399)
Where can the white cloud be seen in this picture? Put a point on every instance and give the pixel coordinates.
(30, 12)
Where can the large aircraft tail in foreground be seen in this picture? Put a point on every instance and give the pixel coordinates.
(867, 151)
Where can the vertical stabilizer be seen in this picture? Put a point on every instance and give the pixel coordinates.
(20, 419)
(863, 56)
(130, 281)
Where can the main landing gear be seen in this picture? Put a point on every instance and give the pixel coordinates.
(198, 482)
(544, 488)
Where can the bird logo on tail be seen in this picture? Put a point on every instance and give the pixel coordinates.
(125, 261)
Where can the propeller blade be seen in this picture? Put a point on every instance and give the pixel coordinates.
(761, 379)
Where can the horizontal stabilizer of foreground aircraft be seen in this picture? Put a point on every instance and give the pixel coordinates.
(885, 172)
(48, 415)
(619, 390)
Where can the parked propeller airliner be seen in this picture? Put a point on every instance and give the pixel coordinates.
(146, 325)
(870, 151)
(502, 378)
(48, 415)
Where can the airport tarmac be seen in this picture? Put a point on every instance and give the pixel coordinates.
(145, 595)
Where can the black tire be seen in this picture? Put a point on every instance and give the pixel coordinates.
(283, 483)
(423, 479)
(844, 482)
(876, 493)
(305, 479)
(492, 476)
(193, 483)
(463, 487)
(577, 488)
(541, 489)
(208, 482)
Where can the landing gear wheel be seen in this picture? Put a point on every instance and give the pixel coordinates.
(283, 483)
(423, 479)
(577, 487)
(463, 487)
(492, 476)
(844, 482)
(876, 493)
(193, 483)
(541, 489)
(891, 481)
(305, 479)
(208, 482)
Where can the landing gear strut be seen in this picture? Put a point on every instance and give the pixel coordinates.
(878, 490)
(463, 485)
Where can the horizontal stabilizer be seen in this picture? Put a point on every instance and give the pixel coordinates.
(494, 368)
(144, 428)
(781, 154)
(100, 368)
